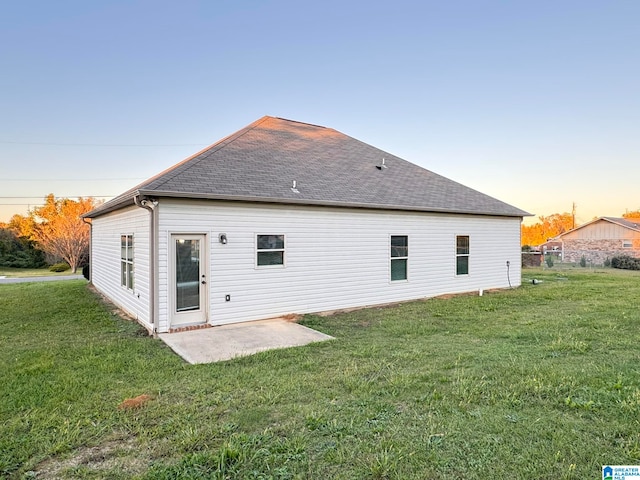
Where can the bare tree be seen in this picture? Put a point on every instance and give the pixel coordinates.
(60, 231)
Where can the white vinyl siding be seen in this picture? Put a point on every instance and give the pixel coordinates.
(336, 258)
(106, 260)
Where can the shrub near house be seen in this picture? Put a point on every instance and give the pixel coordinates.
(625, 262)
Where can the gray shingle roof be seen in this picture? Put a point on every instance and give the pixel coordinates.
(260, 163)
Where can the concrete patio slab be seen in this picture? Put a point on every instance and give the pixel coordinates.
(216, 344)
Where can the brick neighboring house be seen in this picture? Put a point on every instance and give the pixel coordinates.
(601, 239)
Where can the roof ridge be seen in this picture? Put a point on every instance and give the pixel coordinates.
(302, 123)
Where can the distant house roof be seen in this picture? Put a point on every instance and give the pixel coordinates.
(633, 223)
(630, 223)
(261, 162)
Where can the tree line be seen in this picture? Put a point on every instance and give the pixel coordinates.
(553, 225)
(54, 232)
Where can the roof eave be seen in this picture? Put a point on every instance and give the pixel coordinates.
(326, 203)
(112, 207)
(129, 201)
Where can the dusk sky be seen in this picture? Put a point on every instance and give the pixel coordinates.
(536, 103)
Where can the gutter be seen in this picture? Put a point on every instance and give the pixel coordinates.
(150, 205)
(516, 213)
(131, 197)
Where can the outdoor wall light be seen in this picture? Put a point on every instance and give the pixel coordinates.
(222, 238)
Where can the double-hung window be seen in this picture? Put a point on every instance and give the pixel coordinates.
(399, 257)
(462, 255)
(126, 261)
(269, 250)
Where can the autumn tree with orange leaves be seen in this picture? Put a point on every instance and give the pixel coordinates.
(58, 228)
(548, 227)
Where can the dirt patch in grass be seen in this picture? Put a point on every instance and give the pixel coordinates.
(120, 454)
(134, 403)
(292, 317)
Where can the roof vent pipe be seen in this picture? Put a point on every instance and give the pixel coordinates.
(381, 166)
(294, 187)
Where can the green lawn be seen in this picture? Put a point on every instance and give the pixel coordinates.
(538, 382)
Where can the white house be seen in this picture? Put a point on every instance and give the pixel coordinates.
(284, 217)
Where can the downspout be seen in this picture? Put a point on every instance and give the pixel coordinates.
(90, 223)
(150, 205)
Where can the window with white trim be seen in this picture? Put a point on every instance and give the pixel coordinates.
(399, 257)
(269, 250)
(462, 255)
(126, 261)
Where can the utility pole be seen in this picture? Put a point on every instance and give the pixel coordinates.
(573, 215)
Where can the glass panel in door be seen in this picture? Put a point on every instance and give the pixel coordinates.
(187, 274)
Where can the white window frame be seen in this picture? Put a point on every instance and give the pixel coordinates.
(459, 255)
(127, 262)
(270, 250)
(393, 258)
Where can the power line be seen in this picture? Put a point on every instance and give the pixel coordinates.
(60, 196)
(39, 203)
(68, 179)
(107, 144)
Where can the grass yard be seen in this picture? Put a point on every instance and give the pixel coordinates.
(538, 382)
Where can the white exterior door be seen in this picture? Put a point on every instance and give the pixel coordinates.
(189, 280)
